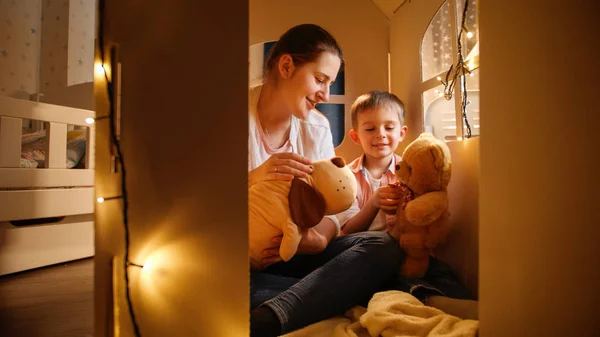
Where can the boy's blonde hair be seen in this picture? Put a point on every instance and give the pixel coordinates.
(374, 99)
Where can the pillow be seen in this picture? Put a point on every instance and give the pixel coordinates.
(33, 153)
(75, 151)
(34, 141)
(28, 163)
(75, 147)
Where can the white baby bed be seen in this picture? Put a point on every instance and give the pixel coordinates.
(49, 191)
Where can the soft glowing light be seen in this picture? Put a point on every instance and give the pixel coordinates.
(441, 94)
(147, 265)
(439, 78)
(100, 200)
(437, 91)
(89, 121)
(459, 138)
(471, 74)
(469, 66)
(469, 35)
(99, 69)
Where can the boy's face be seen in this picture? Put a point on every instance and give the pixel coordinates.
(378, 131)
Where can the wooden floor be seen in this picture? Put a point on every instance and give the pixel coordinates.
(55, 301)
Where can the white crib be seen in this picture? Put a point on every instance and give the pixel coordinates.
(51, 191)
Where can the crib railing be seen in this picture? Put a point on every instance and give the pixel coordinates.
(37, 197)
(56, 119)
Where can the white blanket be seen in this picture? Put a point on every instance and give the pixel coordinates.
(391, 313)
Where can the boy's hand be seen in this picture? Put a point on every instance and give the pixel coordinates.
(387, 199)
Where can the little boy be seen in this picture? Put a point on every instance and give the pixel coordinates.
(378, 127)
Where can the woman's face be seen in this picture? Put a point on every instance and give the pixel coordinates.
(309, 84)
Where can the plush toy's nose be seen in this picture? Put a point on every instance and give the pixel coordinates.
(338, 161)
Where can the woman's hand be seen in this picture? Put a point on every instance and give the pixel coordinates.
(281, 166)
(312, 242)
(386, 198)
(271, 255)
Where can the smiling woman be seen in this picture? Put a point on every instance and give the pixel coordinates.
(333, 111)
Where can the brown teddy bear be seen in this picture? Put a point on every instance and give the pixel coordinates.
(422, 217)
(285, 207)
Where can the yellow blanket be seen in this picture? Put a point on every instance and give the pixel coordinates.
(391, 313)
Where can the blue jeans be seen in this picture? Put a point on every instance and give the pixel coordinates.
(310, 288)
(439, 280)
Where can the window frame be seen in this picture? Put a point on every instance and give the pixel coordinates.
(473, 64)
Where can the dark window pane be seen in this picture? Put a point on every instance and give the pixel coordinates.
(335, 114)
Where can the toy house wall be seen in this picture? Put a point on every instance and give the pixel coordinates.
(538, 233)
(187, 182)
(539, 169)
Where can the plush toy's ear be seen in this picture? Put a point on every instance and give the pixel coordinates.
(441, 155)
(438, 157)
(338, 161)
(307, 206)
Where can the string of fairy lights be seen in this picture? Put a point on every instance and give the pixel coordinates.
(458, 73)
(116, 145)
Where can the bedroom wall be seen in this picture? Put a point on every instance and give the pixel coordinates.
(539, 183)
(47, 47)
(360, 28)
(19, 47)
(461, 249)
(187, 182)
(67, 53)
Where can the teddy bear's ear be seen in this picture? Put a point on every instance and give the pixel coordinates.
(307, 206)
(438, 158)
(441, 157)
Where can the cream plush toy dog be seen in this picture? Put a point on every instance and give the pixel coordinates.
(422, 218)
(284, 207)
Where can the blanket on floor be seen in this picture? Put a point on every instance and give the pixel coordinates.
(391, 313)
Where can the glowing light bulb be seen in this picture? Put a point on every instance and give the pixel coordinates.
(100, 200)
(439, 78)
(459, 138)
(469, 35)
(147, 265)
(89, 121)
(99, 69)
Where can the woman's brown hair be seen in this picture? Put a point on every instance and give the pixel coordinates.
(304, 43)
